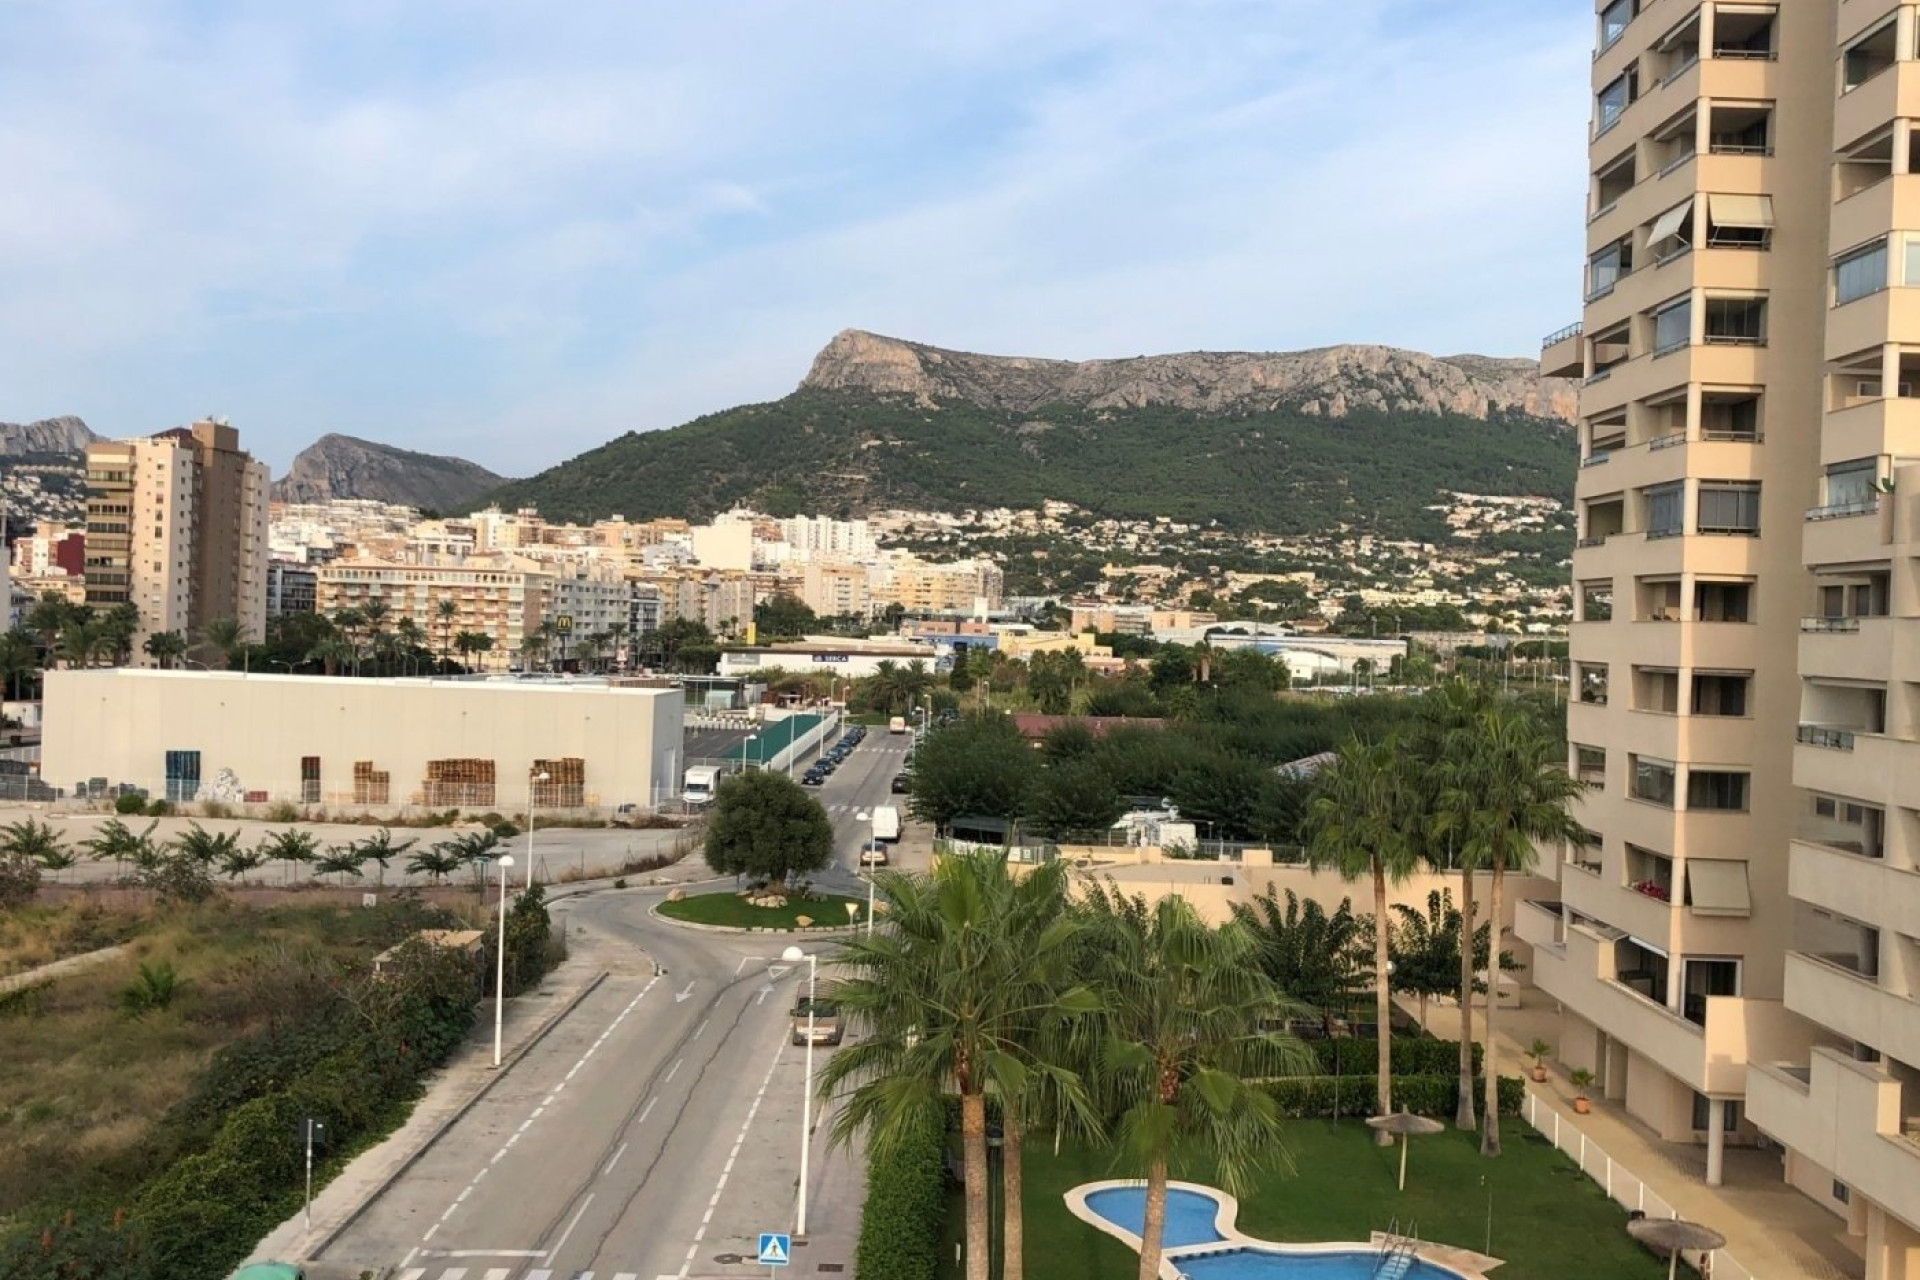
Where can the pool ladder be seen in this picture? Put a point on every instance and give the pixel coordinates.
(1396, 1254)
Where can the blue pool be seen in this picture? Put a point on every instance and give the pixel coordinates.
(1190, 1215)
(1256, 1264)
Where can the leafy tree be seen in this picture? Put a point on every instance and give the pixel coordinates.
(979, 767)
(291, 845)
(165, 647)
(436, 862)
(765, 825)
(19, 661)
(205, 847)
(341, 860)
(782, 616)
(1316, 956)
(238, 860)
(1069, 741)
(115, 840)
(1358, 823)
(37, 842)
(1073, 795)
(1181, 1047)
(1222, 791)
(226, 637)
(380, 849)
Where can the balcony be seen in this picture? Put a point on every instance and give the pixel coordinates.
(1853, 884)
(1541, 924)
(1864, 427)
(1847, 648)
(1875, 103)
(1563, 352)
(1847, 1117)
(1853, 1005)
(1847, 533)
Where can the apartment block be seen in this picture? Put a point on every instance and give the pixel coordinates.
(1736, 949)
(494, 596)
(964, 586)
(177, 526)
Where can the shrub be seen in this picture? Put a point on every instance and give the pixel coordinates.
(1334, 1097)
(902, 1221)
(215, 809)
(130, 802)
(621, 883)
(1411, 1057)
(283, 811)
(153, 987)
(159, 808)
(19, 880)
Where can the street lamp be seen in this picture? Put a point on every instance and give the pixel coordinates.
(794, 955)
(752, 737)
(500, 963)
(532, 782)
(864, 816)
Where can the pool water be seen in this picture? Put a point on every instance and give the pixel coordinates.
(1190, 1215)
(1256, 1264)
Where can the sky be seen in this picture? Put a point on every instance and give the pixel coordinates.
(512, 231)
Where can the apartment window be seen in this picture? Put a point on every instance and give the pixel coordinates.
(1910, 261)
(1673, 326)
(1649, 873)
(1652, 780)
(1666, 509)
(1733, 417)
(1718, 887)
(1721, 693)
(1606, 267)
(1868, 56)
(1739, 221)
(1717, 791)
(1740, 322)
(1862, 272)
(1730, 506)
(1615, 99)
(1656, 689)
(1853, 483)
(1596, 601)
(1590, 764)
(1613, 22)
(1593, 682)
(1671, 234)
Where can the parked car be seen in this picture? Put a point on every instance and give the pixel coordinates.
(874, 854)
(820, 1015)
(813, 778)
(902, 783)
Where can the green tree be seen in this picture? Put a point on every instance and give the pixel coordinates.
(1516, 794)
(1181, 1045)
(1316, 956)
(980, 767)
(292, 845)
(765, 825)
(19, 661)
(165, 647)
(782, 616)
(37, 842)
(341, 860)
(1073, 795)
(1069, 741)
(952, 994)
(226, 637)
(380, 849)
(1357, 823)
(436, 861)
(204, 847)
(115, 840)
(117, 625)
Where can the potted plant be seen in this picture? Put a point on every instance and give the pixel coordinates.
(1582, 1080)
(1538, 1051)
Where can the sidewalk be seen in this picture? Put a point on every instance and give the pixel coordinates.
(1769, 1226)
(449, 1093)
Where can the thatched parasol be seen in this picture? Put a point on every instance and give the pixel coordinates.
(1405, 1124)
(1673, 1236)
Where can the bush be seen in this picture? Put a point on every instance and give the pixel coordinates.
(1411, 1057)
(159, 808)
(130, 802)
(215, 809)
(1334, 1097)
(904, 1216)
(283, 811)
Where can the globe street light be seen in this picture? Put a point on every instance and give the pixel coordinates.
(794, 955)
(532, 782)
(500, 962)
(864, 816)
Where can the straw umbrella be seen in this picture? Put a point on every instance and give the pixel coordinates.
(1404, 1124)
(1672, 1236)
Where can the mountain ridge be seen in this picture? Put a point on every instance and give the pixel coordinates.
(62, 434)
(342, 466)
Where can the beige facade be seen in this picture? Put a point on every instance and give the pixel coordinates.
(964, 586)
(834, 590)
(177, 526)
(495, 596)
(1733, 953)
(367, 744)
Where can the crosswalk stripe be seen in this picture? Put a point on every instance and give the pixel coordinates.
(412, 1273)
(539, 1275)
(454, 1273)
(626, 1275)
(497, 1273)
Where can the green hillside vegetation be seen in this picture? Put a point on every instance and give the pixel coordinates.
(1280, 471)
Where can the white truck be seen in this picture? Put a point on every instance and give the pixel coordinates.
(898, 724)
(701, 782)
(886, 822)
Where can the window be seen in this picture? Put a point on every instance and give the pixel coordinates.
(1672, 232)
(1666, 510)
(1862, 272)
(1867, 57)
(1728, 506)
(1613, 22)
(1716, 791)
(1590, 764)
(1853, 483)
(1606, 267)
(1673, 326)
(1652, 780)
(1717, 887)
(1736, 321)
(1593, 682)
(1614, 100)
(1596, 601)
(1720, 693)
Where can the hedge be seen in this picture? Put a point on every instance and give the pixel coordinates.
(1429, 1095)
(904, 1216)
(1411, 1056)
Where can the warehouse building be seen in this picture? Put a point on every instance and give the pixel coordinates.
(343, 743)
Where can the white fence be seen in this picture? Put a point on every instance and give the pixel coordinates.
(1625, 1187)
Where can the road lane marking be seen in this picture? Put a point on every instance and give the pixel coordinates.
(561, 1243)
(702, 1028)
(411, 1255)
(430, 1230)
(539, 1275)
(497, 1273)
(625, 1275)
(412, 1273)
(453, 1273)
(673, 1070)
(647, 1110)
(693, 1250)
(616, 1160)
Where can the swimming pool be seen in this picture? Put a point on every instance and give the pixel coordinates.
(1200, 1222)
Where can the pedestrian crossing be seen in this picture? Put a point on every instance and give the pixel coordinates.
(507, 1273)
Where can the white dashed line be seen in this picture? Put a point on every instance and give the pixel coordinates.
(616, 1160)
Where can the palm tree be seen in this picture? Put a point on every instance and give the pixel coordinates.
(945, 994)
(205, 847)
(19, 660)
(166, 648)
(46, 619)
(32, 841)
(333, 651)
(117, 625)
(1181, 1043)
(79, 640)
(408, 635)
(436, 862)
(1316, 956)
(380, 848)
(472, 642)
(1358, 821)
(114, 839)
(226, 636)
(1515, 793)
(445, 610)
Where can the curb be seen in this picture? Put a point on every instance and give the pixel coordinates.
(540, 1033)
(654, 911)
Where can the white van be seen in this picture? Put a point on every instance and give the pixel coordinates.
(897, 725)
(886, 822)
(700, 783)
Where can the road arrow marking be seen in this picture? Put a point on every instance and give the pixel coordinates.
(764, 993)
(680, 996)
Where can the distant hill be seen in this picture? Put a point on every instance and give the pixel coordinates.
(336, 466)
(47, 437)
(1283, 442)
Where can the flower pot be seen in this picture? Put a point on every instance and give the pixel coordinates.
(1582, 1106)
(1539, 1075)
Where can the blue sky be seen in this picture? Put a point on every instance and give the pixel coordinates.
(513, 231)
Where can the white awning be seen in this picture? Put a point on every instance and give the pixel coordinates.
(1718, 888)
(1667, 225)
(1754, 212)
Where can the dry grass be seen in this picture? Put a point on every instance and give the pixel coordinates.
(42, 934)
(82, 1084)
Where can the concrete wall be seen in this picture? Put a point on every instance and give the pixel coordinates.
(119, 725)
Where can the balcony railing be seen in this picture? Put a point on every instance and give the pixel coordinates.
(1826, 626)
(1844, 510)
(1816, 735)
(1596, 459)
(1573, 330)
(1667, 441)
(1595, 540)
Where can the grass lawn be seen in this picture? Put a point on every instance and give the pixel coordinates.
(1549, 1220)
(736, 912)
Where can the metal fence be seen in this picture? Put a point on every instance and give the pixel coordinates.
(1621, 1184)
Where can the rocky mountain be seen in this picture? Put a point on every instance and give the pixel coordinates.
(49, 436)
(336, 466)
(1282, 442)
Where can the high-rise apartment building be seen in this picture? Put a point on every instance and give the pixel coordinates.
(1736, 951)
(177, 527)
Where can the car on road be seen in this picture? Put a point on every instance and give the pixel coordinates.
(819, 1017)
(898, 724)
(874, 854)
(813, 778)
(902, 783)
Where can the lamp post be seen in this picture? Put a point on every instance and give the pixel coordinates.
(532, 782)
(500, 963)
(752, 737)
(793, 955)
(864, 816)
(312, 1127)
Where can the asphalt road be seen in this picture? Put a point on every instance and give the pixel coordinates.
(656, 1131)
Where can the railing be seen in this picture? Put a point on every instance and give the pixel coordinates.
(1829, 625)
(1843, 510)
(1573, 330)
(1624, 1187)
(1667, 441)
(1597, 540)
(1731, 437)
(1747, 55)
(1676, 163)
(1596, 459)
(1678, 71)
(1814, 735)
